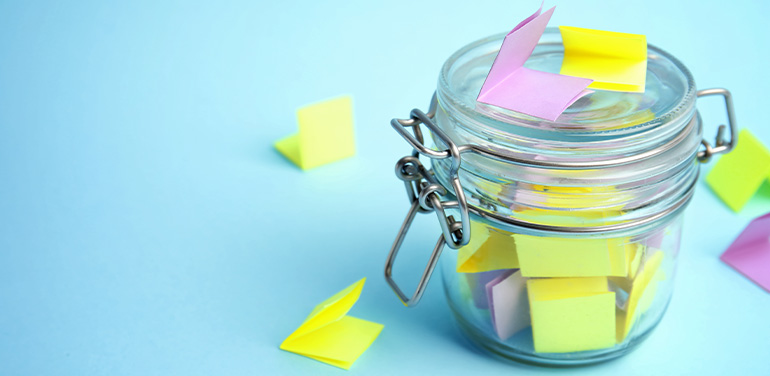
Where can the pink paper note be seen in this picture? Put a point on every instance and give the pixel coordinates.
(535, 93)
(750, 252)
(508, 303)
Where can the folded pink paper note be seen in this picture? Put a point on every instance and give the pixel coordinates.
(750, 252)
(541, 94)
(508, 303)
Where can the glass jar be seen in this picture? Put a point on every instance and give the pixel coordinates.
(562, 236)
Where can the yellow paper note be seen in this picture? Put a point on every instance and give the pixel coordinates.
(571, 314)
(627, 317)
(615, 61)
(571, 257)
(329, 336)
(635, 119)
(572, 206)
(648, 297)
(489, 249)
(738, 174)
(325, 134)
(595, 198)
(635, 252)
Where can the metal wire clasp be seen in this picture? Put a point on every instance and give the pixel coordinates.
(425, 193)
(721, 146)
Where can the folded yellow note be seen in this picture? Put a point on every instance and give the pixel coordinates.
(571, 257)
(634, 119)
(489, 249)
(571, 314)
(329, 336)
(325, 134)
(634, 253)
(615, 61)
(572, 206)
(628, 314)
(738, 174)
(570, 217)
(596, 198)
(648, 297)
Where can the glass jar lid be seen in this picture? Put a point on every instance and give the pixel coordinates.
(665, 107)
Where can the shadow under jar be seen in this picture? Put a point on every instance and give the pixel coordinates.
(562, 237)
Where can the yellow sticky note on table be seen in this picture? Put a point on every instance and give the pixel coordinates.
(329, 335)
(571, 257)
(489, 249)
(571, 314)
(628, 315)
(738, 174)
(615, 61)
(325, 134)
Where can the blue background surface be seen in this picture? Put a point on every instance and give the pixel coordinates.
(148, 227)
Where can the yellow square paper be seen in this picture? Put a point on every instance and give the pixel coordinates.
(615, 61)
(329, 335)
(325, 134)
(575, 206)
(489, 249)
(571, 257)
(738, 174)
(634, 252)
(641, 286)
(571, 314)
(594, 198)
(648, 297)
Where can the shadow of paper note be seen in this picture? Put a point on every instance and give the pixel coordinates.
(758, 204)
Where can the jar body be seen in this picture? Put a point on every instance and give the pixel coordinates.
(575, 224)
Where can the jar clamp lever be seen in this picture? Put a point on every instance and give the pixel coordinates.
(720, 145)
(425, 193)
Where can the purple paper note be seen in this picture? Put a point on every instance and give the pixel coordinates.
(478, 282)
(750, 252)
(510, 85)
(508, 303)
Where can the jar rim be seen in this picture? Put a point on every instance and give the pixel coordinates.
(566, 176)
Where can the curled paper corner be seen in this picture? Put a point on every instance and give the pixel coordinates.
(511, 86)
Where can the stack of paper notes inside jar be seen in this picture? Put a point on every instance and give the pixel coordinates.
(576, 294)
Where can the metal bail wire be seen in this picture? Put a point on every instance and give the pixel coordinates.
(425, 194)
(721, 146)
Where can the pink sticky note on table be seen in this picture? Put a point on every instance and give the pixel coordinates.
(535, 93)
(508, 303)
(750, 252)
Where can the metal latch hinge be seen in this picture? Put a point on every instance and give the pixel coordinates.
(425, 195)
